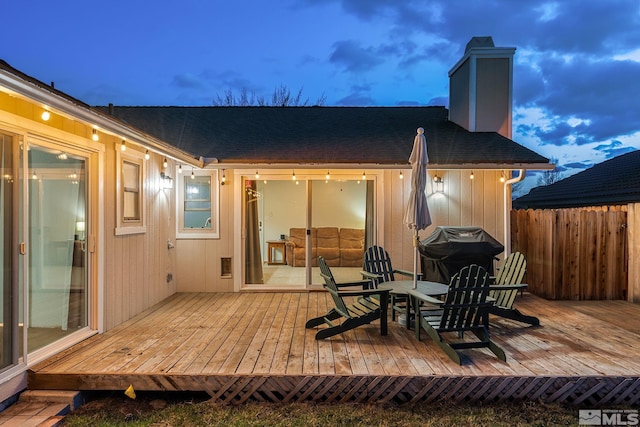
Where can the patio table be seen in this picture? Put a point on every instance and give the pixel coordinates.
(401, 288)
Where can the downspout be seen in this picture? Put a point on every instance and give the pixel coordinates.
(507, 210)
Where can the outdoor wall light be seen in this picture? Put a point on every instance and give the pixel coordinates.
(438, 184)
(167, 181)
(95, 135)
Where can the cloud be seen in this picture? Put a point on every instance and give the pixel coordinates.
(577, 165)
(614, 149)
(354, 57)
(188, 81)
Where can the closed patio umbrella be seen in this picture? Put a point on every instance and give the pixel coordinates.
(417, 216)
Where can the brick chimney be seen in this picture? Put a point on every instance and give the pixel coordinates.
(480, 88)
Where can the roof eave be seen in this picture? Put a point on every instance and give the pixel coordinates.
(67, 106)
(216, 164)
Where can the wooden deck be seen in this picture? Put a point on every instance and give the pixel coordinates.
(254, 346)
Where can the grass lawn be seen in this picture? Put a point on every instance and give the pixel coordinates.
(194, 410)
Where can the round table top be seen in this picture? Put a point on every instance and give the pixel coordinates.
(425, 287)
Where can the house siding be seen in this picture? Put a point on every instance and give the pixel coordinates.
(135, 266)
(465, 202)
(493, 106)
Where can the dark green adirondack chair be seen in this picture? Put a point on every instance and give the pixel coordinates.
(464, 309)
(506, 285)
(363, 310)
(377, 267)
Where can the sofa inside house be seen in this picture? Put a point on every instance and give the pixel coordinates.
(340, 247)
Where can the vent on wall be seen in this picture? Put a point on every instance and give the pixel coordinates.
(225, 268)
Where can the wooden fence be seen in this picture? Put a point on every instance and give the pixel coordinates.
(574, 254)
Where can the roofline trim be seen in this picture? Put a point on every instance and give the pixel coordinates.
(212, 163)
(35, 91)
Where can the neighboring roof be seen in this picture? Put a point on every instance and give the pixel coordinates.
(323, 135)
(613, 182)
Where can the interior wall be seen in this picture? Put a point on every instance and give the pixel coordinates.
(283, 206)
(339, 203)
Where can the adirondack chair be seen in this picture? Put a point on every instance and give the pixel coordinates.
(363, 310)
(464, 308)
(506, 285)
(377, 267)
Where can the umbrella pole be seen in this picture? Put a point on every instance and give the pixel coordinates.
(415, 260)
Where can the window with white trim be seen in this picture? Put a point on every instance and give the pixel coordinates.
(130, 198)
(197, 207)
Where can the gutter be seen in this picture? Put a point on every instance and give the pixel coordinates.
(507, 210)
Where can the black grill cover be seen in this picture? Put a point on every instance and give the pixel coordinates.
(448, 249)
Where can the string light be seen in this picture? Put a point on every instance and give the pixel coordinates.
(180, 169)
(293, 176)
(147, 156)
(502, 176)
(401, 175)
(224, 178)
(471, 176)
(193, 176)
(257, 175)
(165, 163)
(46, 115)
(327, 176)
(95, 135)
(123, 146)
(364, 176)
(35, 175)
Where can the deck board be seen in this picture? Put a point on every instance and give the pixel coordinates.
(229, 343)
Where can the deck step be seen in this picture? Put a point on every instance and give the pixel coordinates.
(71, 398)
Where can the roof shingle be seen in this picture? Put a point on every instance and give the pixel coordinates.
(612, 182)
(322, 135)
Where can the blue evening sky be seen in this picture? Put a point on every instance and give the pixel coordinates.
(576, 77)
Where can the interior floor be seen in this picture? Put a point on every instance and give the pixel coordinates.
(285, 275)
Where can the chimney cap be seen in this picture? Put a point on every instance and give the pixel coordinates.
(485, 41)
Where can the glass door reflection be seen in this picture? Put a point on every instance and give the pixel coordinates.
(58, 297)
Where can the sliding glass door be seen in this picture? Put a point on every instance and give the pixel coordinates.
(338, 214)
(9, 231)
(289, 222)
(57, 224)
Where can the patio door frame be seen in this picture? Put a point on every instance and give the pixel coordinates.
(307, 175)
(93, 153)
(26, 131)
